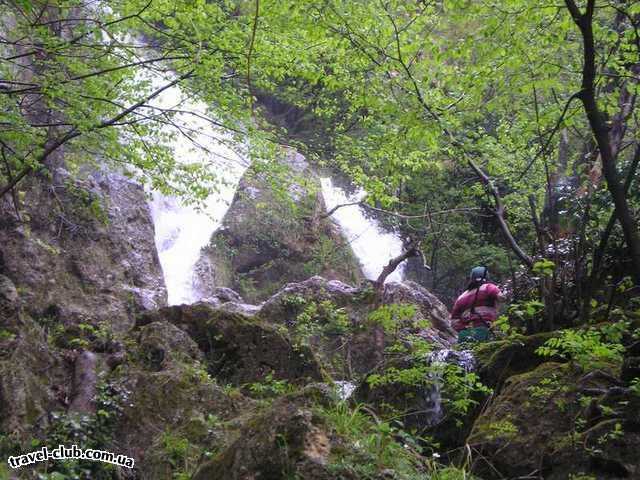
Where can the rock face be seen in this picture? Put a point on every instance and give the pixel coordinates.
(33, 379)
(273, 236)
(82, 251)
(286, 441)
(500, 360)
(168, 401)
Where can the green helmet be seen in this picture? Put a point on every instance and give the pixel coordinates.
(478, 273)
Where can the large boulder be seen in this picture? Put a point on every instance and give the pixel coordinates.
(557, 421)
(339, 321)
(239, 349)
(169, 405)
(430, 308)
(497, 361)
(284, 307)
(271, 236)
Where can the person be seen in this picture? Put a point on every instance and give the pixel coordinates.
(476, 308)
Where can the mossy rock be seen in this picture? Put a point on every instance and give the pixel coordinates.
(33, 379)
(161, 344)
(555, 421)
(275, 233)
(172, 403)
(287, 441)
(172, 410)
(239, 349)
(499, 360)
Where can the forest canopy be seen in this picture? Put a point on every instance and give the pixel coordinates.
(494, 132)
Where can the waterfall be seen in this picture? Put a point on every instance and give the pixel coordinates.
(433, 393)
(182, 230)
(344, 389)
(372, 245)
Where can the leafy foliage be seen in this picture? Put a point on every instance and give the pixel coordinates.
(591, 348)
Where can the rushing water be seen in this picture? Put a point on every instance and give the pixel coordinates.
(432, 394)
(372, 245)
(344, 389)
(182, 230)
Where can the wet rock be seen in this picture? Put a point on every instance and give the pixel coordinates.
(223, 295)
(85, 379)
(239, 349)
(417, 397)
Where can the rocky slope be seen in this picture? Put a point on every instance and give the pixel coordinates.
(190, 388)
(230, 389)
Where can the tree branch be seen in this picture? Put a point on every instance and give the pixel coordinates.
(499, 213)
(74, 132)
(412, 251)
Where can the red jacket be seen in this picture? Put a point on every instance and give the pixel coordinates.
(482, 301)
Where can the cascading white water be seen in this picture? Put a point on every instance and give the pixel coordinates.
(433, 393)
(372, 245)
(182, 230)
(344, 389)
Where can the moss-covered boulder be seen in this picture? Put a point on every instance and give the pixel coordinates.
(82, 250)
(286, 441)
(274, 234)
(307, 435)
(501, 359)
(239, 349)
(557, 421)
(172, 416)
(162, 343)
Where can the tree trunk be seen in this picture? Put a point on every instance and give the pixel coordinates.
(601, 133)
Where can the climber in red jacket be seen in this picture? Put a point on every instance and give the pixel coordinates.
(477, 308)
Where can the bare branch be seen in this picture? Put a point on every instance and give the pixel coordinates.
(499, 213)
